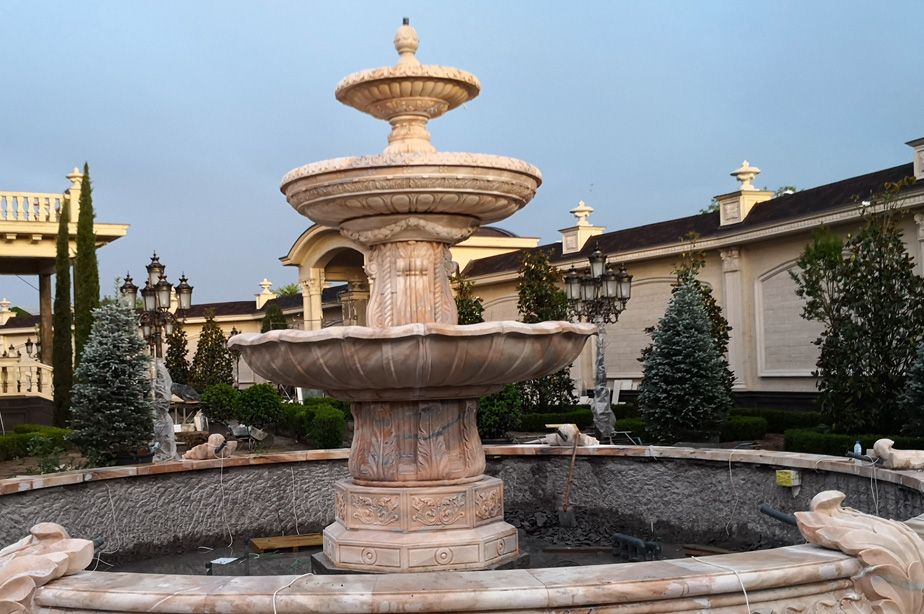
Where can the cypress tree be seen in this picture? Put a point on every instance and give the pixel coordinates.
(176, 361)
(212, 363)
(86, 271)
(62, 358)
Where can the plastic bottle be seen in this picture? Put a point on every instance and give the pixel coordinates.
(858, 449)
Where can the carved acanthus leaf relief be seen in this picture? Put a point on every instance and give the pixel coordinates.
(375, 444)
(843, 603)
(472, 452)
(375, 510)
(45, 555)
(489, 504)
(433, 230)
(433, 511)
(893, 579)
(339, 505)
(432, 455)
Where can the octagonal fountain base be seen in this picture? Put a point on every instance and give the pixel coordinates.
(378, 529)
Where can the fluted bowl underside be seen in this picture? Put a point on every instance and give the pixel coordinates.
(485, 188)
(415, 361)
(425, 90)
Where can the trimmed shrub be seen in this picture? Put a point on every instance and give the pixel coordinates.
(836, 444)
(636, 426)
(342, 406)
(625, 410)
(260, 406)
(16, 444)
(739, 428)
(219, 402)
(500, 412)
(328, 427)
(298, 419)
(581, 415)
(781, 420)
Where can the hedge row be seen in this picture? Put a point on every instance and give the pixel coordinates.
(836, 444)
(579, 415)
(743, 428)
(781, 420)
(16, 444)
(320, 423)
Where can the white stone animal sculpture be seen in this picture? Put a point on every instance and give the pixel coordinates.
(215, 447)
(565, 435)
(45, 555)
(898, 459)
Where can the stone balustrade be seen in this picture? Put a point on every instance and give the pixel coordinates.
(22, 377)
(30, 206)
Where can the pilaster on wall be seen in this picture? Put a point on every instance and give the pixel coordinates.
(734, 311)
(919, 220)
(311, 299)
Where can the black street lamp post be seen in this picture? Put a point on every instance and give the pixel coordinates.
(155, 318)
(599, 294)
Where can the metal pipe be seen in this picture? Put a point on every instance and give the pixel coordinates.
(778, 515)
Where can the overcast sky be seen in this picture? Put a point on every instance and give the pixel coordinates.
(190, 113)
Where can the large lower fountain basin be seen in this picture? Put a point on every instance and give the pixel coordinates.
(413, 362)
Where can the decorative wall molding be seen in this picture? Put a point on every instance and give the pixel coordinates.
(759, 334)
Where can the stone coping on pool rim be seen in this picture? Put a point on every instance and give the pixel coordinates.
(790, 460)
(788, 579)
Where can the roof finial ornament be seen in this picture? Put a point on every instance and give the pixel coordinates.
(582, 212)
(745, 174)
(406, 44)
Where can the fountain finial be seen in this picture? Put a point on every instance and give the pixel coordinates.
(406, 44)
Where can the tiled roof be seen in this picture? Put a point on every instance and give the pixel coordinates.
(236, 308)
(21, 322)
(785, 208)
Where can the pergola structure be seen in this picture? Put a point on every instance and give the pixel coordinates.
(28, 234)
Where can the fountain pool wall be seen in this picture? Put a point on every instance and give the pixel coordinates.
(687, 495)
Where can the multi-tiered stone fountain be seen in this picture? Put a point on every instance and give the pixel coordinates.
(417, 499)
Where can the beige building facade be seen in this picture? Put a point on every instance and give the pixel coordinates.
(750, 245)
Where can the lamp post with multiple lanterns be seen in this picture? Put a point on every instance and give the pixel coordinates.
(155, 319)
(599, 294)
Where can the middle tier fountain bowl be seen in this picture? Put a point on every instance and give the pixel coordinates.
(413, 362)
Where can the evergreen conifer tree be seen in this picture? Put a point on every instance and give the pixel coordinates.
(86, 271)
(62, 357)
(683, 385)
(273, 319)
(540, 299)
(469, 305)
(112, 410)
(176, 361)
(212, 363)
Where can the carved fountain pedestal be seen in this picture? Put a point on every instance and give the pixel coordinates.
(417, 499)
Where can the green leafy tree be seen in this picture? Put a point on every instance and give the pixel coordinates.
(176, 361)
(683, 373)
(865, 293)
(212, 363)
(273, 319)
(287, 290)
(86, 271)
(540, 299)
(912, 399)
(784, 190)
(469, 306)
(62, 357)
(112, 411)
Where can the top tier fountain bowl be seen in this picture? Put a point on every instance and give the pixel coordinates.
(417, 499)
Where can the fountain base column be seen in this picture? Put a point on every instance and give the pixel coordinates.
(389, 529)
